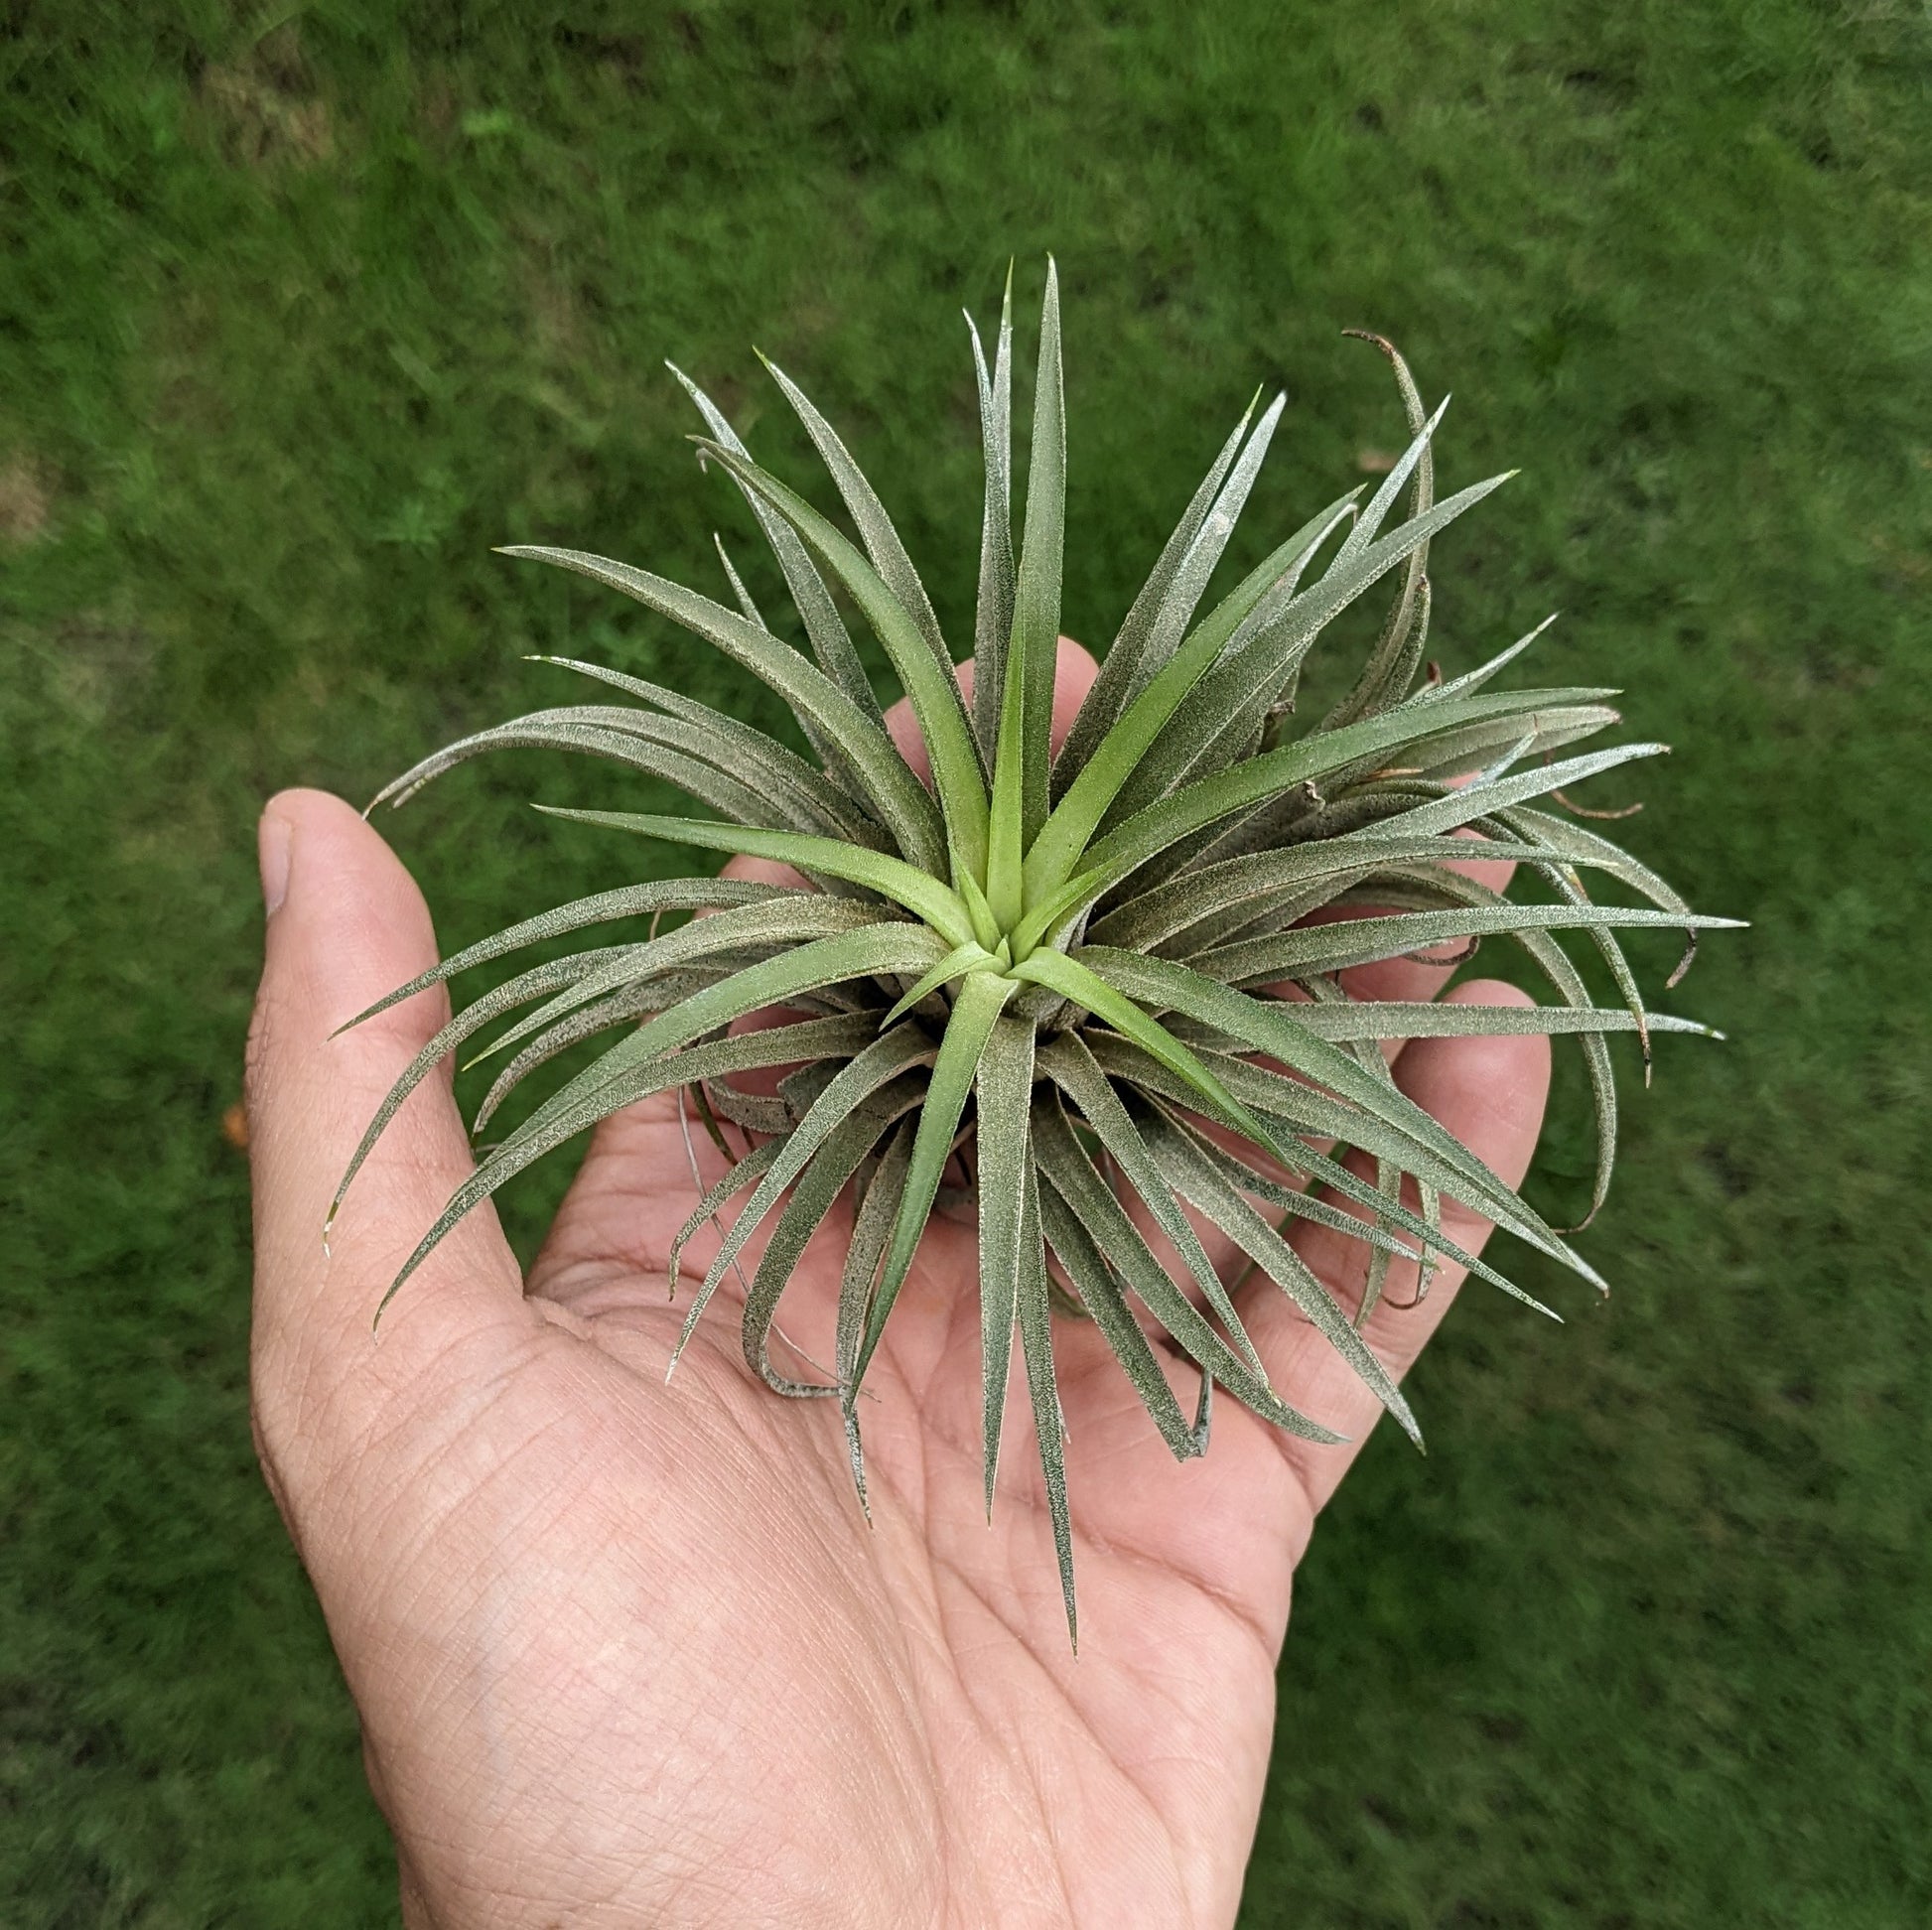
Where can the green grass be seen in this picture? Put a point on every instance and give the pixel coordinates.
(293, 327)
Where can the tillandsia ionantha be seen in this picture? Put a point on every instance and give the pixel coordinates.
(1036, 982)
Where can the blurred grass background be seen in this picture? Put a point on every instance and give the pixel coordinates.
(305, 308)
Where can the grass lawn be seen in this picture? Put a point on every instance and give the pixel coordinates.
(306, 306)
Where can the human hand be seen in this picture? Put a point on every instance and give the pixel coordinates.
(626, 1652)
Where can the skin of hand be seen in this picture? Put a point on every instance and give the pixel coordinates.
(626, 1653)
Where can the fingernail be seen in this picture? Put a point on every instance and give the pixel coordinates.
(272, 848)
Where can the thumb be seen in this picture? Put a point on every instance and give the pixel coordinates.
(345, 924)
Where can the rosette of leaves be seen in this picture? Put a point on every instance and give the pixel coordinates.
(1035, 984)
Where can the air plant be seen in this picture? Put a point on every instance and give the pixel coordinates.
(1051, 973)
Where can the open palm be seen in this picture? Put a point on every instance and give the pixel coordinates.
(627, 1652)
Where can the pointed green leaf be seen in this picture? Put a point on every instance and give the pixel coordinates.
(1202, 1182)
(1556, 964)
(1004, 1084)
(1037, 592)
(1572, 845)
(1455, 754)
(1259, 597)
(871, 759)
(1100, 1294)
(1309, 949)
(1392, 664)
(1066, 1167)
(626, 1073)
(1205, 553)
(868, 514)
(824, 629)
(1066, 834)
(785, 921)
(1376, 1020)
(981, 1000)
(1248, 1177)
(742, 596)
(871, 1230)
(845, 1149)
(1072, 1068)
(628, 901)
(834, 1035)
(933, 691)
(1006, 830)
(1036, 1348)
(922, 893)
(1292, 1107)
(853, 1087)
(1121, 678)
(969, 957)
(985, 926)
(1165, 822)
(1486, 796)
(1281, 631)
(751, 752)
(1471, 681)
(993, 612)
(743, 1174)
(1423, 1144)
(659, 746)
(533, 984)
(1220, 899)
